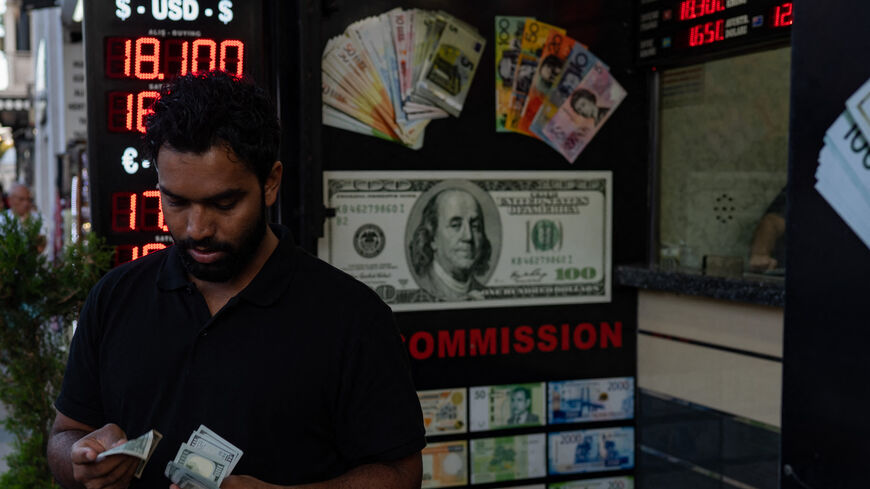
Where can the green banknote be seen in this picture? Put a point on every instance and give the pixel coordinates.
(449, 240)
(505, 406)
(508, 458)
(447, 76)
(445, 464)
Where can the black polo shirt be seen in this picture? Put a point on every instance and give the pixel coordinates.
(304, 370)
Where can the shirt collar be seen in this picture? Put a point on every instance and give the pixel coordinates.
(266, 287)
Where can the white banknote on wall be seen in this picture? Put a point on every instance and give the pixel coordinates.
(449, 240)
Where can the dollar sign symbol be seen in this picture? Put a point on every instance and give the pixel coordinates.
(123, 11)
(128, 160)
(226, 8)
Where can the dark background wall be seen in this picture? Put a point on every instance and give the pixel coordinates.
(825, 402)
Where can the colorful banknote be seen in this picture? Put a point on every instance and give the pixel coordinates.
(535, 35)
(553, 57)
(508, 458)
(508, 41)
(595, 450)
(604, 483)
(445, 464)
(584, 112)
(444, 411)
(579, 401)
(390, 75)
(580, 61)
(503, 406)
(530, 238)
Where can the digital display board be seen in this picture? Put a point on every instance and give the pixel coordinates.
(133, 47)
(673, 32)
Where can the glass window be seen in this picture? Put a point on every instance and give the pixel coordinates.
(723, 163)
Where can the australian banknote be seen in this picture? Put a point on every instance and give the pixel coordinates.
(588, 107)
(445, 464)
(508, 41)
(503, 406)
(535, 35)
(508, 458)
(552, 60)
(444, 411)
(579, 401)
(592, 450)
(472, 239)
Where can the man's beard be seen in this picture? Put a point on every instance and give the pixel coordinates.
(235, 259)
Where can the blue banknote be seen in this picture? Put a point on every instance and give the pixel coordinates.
(578, 401)
(596, 450)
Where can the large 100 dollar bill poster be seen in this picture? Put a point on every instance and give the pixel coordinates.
(448, 240)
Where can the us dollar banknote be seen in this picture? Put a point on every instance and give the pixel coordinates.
(579, 401)
(508, 458)
(597, 450)
(445, 464)
(503, 406)
(604, 483)
(444, 411)
(449, 240)
(142, 448)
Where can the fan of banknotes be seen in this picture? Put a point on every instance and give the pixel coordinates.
(388, 76)
(843, 174)
(204, 461)
(549, 86)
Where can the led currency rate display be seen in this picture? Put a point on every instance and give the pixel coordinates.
(686, 31)
(141, 45)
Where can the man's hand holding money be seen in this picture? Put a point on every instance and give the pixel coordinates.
(239, 482)
(108, 473)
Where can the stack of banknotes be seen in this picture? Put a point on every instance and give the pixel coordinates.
(142, 448)
(843, 174)
(204, 461)
(550, 86)
(388, 76)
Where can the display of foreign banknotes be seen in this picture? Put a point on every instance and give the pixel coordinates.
(507, 406)
(580, 401)
(595, 450)
(444, 411)
(142, 448)
(550, 86)
(508, 458)
(204, 461)
(445, 464)
(604, 483)
(452, 240)
(389, 75)
(843, 174)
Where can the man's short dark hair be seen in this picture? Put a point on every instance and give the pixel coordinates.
(198, 111)
(525, 390)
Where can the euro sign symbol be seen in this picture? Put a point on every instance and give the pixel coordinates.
(226, 8)
(128, 159)
(123, 11)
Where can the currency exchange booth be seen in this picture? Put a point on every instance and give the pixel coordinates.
(529, 381)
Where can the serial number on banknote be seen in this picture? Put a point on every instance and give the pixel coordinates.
(371, 209)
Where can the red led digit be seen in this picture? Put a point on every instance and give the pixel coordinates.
(126, 253)
(783, 15)
(209, 58)
(120, 112)
(175, 57)
(232, 56)
(152, 212)
(147, 59)
(118, 57)
(144, 102)
(123, 212)
(151, 248)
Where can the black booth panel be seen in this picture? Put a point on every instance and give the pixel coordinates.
(471, 143)
(824, 423)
